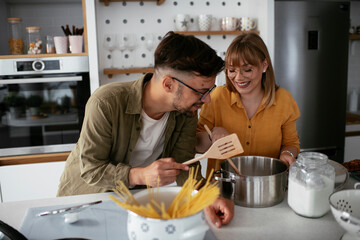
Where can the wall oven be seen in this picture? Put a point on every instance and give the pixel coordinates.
(42, 103)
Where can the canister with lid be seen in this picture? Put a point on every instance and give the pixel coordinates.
(34, 40)
(16, 42)
(311, 181)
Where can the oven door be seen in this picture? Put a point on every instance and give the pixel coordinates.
(41, 113)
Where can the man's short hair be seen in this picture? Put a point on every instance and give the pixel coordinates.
(187, 53)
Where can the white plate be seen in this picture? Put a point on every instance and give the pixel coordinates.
(341, 175)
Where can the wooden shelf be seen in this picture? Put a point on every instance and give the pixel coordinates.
(111, 71)
(42, 55)
(237, 32)
(36, 158)
(107, 2)
(354, 36)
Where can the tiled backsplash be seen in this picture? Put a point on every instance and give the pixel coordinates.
(141, 18)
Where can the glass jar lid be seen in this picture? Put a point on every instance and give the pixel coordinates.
(13, 20)
(32, 29)
(312, 158)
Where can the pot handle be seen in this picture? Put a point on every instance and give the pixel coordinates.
(194, 231)
(221, 178)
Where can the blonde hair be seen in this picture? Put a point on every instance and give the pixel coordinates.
(250, 48)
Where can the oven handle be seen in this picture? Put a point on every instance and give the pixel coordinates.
(41, 80)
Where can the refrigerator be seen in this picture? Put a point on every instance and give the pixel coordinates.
(311, 62)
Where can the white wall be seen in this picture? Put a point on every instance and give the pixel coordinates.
(126, 18)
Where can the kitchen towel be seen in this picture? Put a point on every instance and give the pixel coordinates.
(105, 221)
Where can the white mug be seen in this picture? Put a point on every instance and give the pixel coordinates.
(61, 44)
(229, 24)
(247, 23)
(76, 43)
(182, 22)
(205, 22)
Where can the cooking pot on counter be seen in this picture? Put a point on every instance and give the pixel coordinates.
(262, 183)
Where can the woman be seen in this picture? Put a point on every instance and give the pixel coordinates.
(262, 114)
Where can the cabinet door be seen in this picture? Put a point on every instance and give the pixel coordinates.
(352, 150)
(30, 181)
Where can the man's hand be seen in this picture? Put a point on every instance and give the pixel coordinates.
(220, 212)
(161, 172)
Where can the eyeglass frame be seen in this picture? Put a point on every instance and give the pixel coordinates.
(203, 95)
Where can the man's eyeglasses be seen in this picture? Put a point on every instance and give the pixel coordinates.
(203, 94)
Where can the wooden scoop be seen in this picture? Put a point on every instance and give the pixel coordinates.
(222, 148)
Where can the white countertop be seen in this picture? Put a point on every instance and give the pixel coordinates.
(277, 222)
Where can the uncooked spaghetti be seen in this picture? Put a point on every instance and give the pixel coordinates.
(185, 203)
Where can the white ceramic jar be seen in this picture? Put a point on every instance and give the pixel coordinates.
(311, 182)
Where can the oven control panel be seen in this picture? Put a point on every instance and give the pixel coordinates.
(37, 65)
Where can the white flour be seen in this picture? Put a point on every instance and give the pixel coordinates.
(310, 201)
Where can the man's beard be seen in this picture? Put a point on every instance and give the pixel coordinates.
(186, 111)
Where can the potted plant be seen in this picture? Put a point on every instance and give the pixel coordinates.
(34, 102)
(15, 103)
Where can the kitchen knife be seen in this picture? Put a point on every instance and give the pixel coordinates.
(67, 209)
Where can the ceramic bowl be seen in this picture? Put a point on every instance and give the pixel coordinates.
(192, 227)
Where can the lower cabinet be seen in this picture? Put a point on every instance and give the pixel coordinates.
(30, 181)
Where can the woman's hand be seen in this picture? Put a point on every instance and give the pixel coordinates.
(288, 155)
(220, 212)
(218, 132)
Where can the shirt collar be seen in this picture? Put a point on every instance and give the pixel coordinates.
(236, 99)
(134, 105)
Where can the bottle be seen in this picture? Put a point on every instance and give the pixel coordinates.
(353, 103)
(34, 40)
(16, 42)
(50, 47)
(311, 181)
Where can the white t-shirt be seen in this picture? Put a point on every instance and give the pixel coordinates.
(151, 141)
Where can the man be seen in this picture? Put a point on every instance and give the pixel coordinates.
(140, 132)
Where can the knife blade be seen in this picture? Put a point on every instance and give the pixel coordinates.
(67, 209)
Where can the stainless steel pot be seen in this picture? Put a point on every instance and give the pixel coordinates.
(262, 182)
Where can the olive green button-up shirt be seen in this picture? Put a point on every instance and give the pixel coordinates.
(110, 130)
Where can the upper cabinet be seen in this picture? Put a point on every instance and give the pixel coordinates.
(50, 18)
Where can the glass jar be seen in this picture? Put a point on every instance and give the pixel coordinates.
(15, 40)
(34, 40)
(50, 47)
(311, 181)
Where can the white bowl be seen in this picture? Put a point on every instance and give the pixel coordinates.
(192, 227)
(345, 206)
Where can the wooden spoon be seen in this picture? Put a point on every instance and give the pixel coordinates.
(228, 159)
(222, 148)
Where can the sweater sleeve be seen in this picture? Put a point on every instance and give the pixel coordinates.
(95, 145)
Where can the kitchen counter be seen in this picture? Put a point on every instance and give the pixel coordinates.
(352, 127)
(277, 222)
(352, 118)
